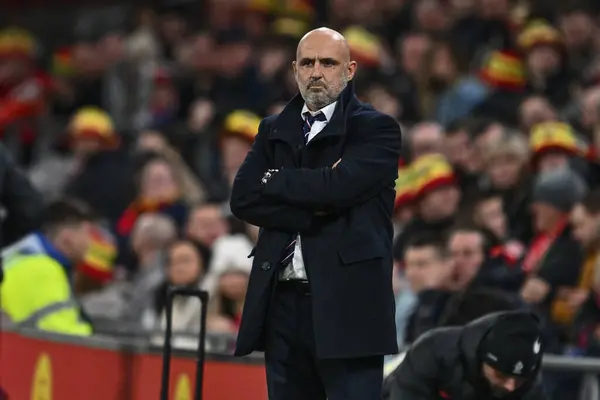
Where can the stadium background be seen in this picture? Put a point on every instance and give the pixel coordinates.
(490, 94)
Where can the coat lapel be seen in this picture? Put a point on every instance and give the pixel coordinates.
(287, 127)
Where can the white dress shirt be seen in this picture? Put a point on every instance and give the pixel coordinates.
(296, 270)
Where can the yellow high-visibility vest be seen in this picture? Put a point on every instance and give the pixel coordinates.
(36, 293)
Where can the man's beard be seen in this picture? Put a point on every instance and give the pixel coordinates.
(322, 98)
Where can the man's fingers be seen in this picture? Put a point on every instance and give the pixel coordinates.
(336, 163)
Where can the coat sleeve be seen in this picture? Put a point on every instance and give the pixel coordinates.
(367, 166)
(247, 202)
(24, 205)
(417, 376)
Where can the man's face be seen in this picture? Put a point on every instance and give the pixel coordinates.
(501, 384)
(466, 252)
(322, 69)
(75, 240)
(206, 225)
(535, 110)
(585, 225)
(424, 268)
(425, 139)
(490, 213)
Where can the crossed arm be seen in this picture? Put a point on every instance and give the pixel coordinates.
(292, 199)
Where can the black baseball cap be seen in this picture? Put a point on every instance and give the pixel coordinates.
(513, 345)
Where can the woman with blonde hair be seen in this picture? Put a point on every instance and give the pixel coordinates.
(506, 167)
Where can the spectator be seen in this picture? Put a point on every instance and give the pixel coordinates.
(436, 200)
(428, 272)
(425, 138)
(37, 289)
(159, 189)
(125, 301)
(185, 268)
(205, 225)
(553, 262)
(506, 170)
(228, 302)
(97, 158)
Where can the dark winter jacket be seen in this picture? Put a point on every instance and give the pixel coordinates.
(443, 364)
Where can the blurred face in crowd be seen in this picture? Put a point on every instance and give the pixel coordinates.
(151, 141)
(467, 255)
(430, 16)
(383, 101)
(158, 182)
(460, 151)
(545, 217)
(551, 161)
(493, 9)
(87, 59)
(13, 69)
(206, 224)
(444, 69)
(234, 58)
(440, 203)
(233, 153)
(462, 7)
(412, 51)
(322, 67)
(233, 284)
(585, 225)
(426, 138)
(543, 60)
(425, 268)
(85, 146)
(500, 383)
(504, 171)
(489, 214)
(185, 264)
(534, 110)
(590, 108)
(578, 29)
(73, 240)
(112, 47)
(172, 28)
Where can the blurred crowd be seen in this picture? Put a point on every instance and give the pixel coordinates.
(498, 188)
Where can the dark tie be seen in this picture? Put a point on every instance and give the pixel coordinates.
(309, 120)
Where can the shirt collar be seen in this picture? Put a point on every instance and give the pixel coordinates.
(52, 251)
(327, 110)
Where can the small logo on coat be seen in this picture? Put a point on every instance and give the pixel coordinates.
(518, 368)
(537, 346)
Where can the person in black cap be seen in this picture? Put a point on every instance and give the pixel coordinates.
(495, 357)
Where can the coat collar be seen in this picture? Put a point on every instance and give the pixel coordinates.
(289, 121)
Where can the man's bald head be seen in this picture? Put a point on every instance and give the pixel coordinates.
(322, 67)
(329, 37)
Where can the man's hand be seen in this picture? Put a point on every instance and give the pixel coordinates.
(268, 175)
(535, 290)
(336, 163)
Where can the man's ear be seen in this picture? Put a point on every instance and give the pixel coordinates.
(294, 68)
(351, 70)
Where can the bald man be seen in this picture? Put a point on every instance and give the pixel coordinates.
(319, 181)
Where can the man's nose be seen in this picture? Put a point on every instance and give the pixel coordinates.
(510, 385)
(317, 71)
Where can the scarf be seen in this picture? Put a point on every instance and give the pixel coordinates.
(127, 221)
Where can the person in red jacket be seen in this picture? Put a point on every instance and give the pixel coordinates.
(23, 88)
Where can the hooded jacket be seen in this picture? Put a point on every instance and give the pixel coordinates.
(443, 364)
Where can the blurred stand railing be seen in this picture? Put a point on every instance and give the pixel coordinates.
(589, 367)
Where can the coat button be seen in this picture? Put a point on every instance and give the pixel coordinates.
(266, 266)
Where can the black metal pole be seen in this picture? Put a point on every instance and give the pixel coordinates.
(166, 367)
